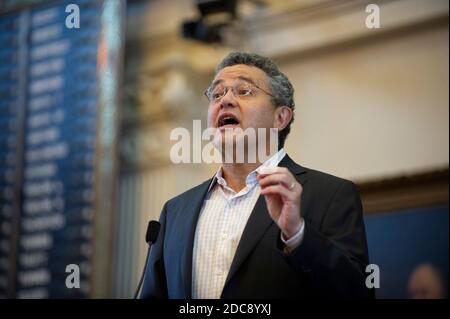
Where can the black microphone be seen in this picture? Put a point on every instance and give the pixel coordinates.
(150, 237)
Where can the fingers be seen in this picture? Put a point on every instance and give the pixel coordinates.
(277, 175)
(278, 190)
(276, 178)
(280, 181)
(271, 170)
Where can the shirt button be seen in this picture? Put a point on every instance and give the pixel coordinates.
(224, 236)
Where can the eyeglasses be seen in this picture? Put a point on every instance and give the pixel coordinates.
(241, 89)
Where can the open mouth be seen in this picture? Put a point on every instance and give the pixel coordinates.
(227, 120)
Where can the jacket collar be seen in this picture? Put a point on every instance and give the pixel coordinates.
(259, 221)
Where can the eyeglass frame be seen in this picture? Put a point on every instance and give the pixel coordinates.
(242, 78)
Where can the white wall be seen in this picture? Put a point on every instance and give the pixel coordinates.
(375, 110)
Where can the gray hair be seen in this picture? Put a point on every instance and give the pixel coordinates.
(279, 84)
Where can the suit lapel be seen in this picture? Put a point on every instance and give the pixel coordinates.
(191, 212)
(260, 220)
(255, 228)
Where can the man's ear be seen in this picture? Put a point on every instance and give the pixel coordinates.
(283, 116)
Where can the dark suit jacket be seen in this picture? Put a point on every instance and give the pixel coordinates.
(330, 261)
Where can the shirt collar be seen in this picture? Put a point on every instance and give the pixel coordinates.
(273, 161)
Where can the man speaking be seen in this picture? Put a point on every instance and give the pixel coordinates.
(263, 229)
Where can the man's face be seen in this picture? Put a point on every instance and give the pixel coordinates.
(253, 111)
